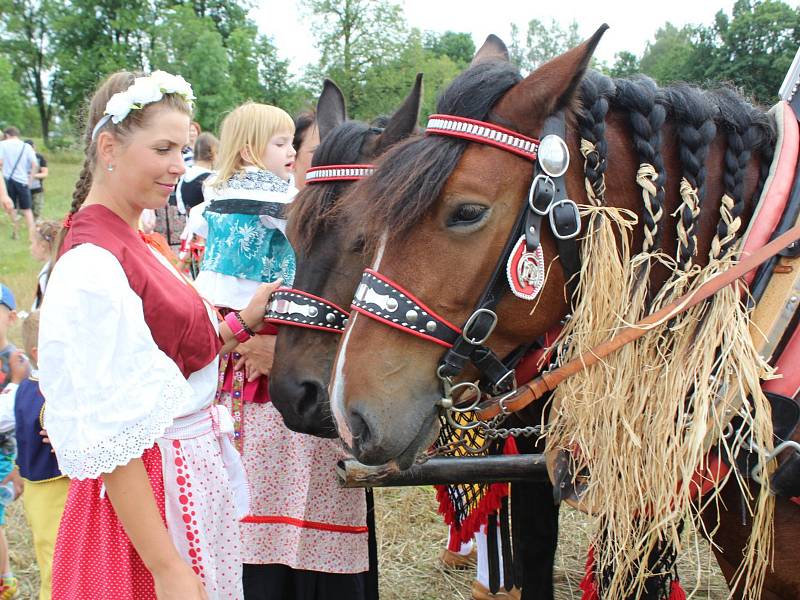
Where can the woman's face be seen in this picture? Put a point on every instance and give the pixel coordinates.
(279, 155)
(149, 162)
(308, 144)
(193, 133)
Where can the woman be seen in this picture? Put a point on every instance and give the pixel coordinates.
(305, 142)
(128, 364)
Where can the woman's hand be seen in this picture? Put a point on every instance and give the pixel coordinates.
(257, 355)
(178, 582)
(254, 313)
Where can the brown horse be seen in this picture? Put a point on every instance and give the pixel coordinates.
(328, 265)
(440, 210)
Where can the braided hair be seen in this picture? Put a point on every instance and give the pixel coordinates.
(693, 116)
(117, 82)
(640, 99)
(595, 91)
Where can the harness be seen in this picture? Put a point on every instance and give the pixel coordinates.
(520, 267)
(290, 306)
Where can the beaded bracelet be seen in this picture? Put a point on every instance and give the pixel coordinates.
(249, 331)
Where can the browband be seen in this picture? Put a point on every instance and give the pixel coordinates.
(295, 307)
(485, 133)
(338, 173)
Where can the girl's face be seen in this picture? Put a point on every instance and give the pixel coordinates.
(278, 157)
(148, 165)
(305, 153)
(40, 249)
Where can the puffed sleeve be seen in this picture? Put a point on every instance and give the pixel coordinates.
(111, 392)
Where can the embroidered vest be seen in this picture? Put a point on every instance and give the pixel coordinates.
(35, 461)
(173, 310)
(242, 240)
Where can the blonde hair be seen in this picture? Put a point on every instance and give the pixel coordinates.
(30, 332)
(248, 128)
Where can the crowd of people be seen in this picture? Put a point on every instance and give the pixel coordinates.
(157, 467)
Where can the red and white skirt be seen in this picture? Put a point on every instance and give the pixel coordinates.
(198, 483)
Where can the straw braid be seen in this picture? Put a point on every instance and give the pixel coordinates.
(595, 92)
(647, 116)
(695, 129)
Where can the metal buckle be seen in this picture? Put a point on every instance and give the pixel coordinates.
(577, 219)
(756, 472)
(499, 385)
(471, 321)
(532, 193)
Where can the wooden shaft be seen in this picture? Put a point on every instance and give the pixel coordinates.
(534, 390)
(463, 469)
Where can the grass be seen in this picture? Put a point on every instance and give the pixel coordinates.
(411, 535)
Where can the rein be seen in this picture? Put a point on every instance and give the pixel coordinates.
(520, 266)
(289, 306)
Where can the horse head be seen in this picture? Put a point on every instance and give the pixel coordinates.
(440, 209)
(329, 264)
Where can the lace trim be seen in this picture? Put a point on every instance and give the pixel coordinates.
(122, 447)
(258, 180)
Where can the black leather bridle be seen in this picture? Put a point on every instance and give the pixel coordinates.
(519, 265)
(289, 306)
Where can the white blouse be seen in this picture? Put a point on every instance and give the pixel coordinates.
(111, 392)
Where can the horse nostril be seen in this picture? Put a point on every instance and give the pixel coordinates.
(310, 399)
(362, 434)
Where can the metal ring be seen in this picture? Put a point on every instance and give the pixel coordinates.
(460, 387)
(448, 414)
(755, 473)
(471, 322)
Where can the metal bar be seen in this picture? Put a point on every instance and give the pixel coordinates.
(468, 469)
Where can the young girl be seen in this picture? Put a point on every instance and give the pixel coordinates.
(304, 538)
(42, 246)
(128, 364)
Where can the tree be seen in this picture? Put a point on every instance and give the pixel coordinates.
(458, 47)
(26, 28)
(542, 42)
(11, 97)
(669, 57)
(753, 48)
(625, 65)
(354, 36)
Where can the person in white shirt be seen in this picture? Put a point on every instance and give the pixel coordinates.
(18, 161)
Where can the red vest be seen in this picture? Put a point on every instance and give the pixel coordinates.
(173, 310)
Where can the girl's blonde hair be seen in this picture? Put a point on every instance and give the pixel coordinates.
(247, 130)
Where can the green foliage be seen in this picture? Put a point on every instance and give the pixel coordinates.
(458, 47)
(12, 108)
(669, 56)
(543, 41)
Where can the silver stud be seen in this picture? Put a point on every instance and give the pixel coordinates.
(430, 326)
(412, 316)
(344, 323)
(312, 311)
(553, 155)
(391, 305)
(330, 317)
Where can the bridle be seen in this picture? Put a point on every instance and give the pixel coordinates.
(290, 306)
(520, 266)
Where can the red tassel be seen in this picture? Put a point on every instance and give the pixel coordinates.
(588, 584)
(676, 591)
(67, 221)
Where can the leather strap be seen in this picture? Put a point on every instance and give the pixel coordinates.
(548, 381)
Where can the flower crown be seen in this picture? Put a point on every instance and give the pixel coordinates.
(143, 91)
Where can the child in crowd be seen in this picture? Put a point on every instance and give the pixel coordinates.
(42, 247)
(45, 487)
(8, 357)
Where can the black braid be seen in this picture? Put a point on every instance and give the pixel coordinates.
(595, 91)
(743, 134)
(694, 124)
(639, 97)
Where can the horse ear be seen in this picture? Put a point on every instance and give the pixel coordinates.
(549, 88)
(404, 120)
(331, 111)
(493, 49)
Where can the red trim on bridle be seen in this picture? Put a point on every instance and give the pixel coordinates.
(399, 327)
(485, 133)
(329, 173)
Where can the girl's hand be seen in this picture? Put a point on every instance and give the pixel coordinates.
(254, 313)
(179, 582)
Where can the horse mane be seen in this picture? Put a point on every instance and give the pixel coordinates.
(396, 198)
(314, 205)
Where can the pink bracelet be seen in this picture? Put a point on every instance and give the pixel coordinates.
(236, 327)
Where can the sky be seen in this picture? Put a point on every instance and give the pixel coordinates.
(633, 24)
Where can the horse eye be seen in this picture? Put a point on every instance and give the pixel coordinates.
(467, 214)
(358, 244)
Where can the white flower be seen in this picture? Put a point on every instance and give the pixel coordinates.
(119, 106)
(144, 91)
(173, 84)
